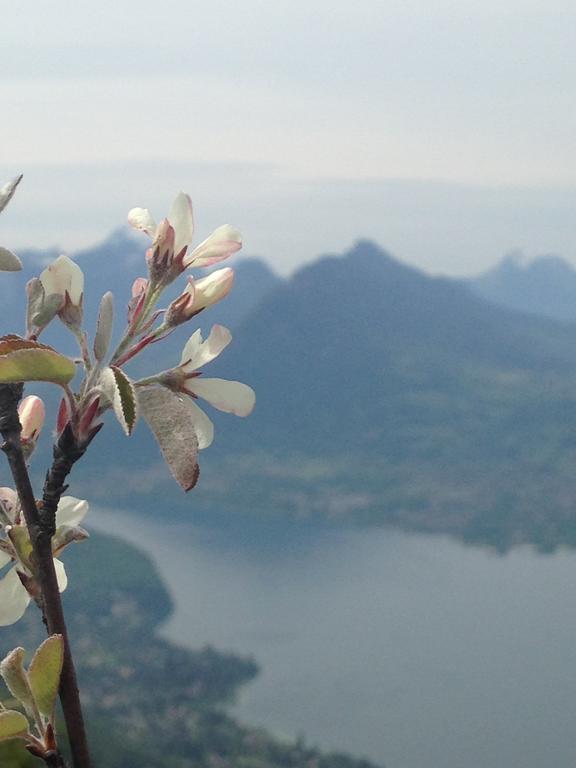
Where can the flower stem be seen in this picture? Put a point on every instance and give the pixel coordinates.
(41, 530)
(83, 344)
(132, 332)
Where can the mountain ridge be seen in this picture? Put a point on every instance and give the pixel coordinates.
(384, 396)
(544, 286)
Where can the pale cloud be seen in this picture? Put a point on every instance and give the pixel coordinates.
(477, 91)
(297, 107)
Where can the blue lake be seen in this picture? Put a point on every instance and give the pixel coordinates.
(414, 651)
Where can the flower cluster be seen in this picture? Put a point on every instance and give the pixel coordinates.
(166, 400)
(59, 292)
(34, 534)
(169, 254)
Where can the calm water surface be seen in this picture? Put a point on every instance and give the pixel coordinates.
(414, 651)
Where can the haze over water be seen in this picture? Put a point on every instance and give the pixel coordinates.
(410, 650)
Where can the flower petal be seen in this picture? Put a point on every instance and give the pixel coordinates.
(71, 511)
(228, 396)
(4, 558)
(197, 353)
(61, 577)
(9, 262)
(223, 242)
(203, 427)
(13, 598)
(212, 288)
(9, 502)
(141, 219)
(182, 220)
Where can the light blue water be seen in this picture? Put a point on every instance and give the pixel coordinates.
(414, 651)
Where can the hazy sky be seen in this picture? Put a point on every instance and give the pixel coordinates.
(105, 108)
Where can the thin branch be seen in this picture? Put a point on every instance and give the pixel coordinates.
(41, 526)
(54, 760)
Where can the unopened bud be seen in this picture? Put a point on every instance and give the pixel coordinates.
(136, 303)
(31, 412)
(89, 421)
(63, 417)
(198, 295)
(64, 279)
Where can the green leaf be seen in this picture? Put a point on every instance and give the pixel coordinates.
(12, 725)
(104, 326)
(16, 679)
(121, 393)
(171, 419)
(44, 674)
(25, 360)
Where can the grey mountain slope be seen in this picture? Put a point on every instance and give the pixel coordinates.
(346, 344)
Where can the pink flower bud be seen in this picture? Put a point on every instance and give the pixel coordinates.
(136, 303)
(89, 423)
(63, 416)
(31, 412)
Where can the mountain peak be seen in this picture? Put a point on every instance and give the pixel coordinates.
(120, 242)
(545, 285)
(367, 249)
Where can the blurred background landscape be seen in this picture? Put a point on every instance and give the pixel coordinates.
(377, 566)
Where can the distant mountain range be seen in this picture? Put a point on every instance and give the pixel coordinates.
(385, 396)
(545, 286)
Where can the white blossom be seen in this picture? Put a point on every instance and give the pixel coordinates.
(173, 236)
(14, 597)
(228, 396)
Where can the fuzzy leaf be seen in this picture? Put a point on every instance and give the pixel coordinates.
(24, 360)
(41, 309)
(7, 191)
(170, 417)
(44, 674)
(104, 327)
(16, 679)
(121, 393)
(36, 295)
(12, 724)
(9, 262)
